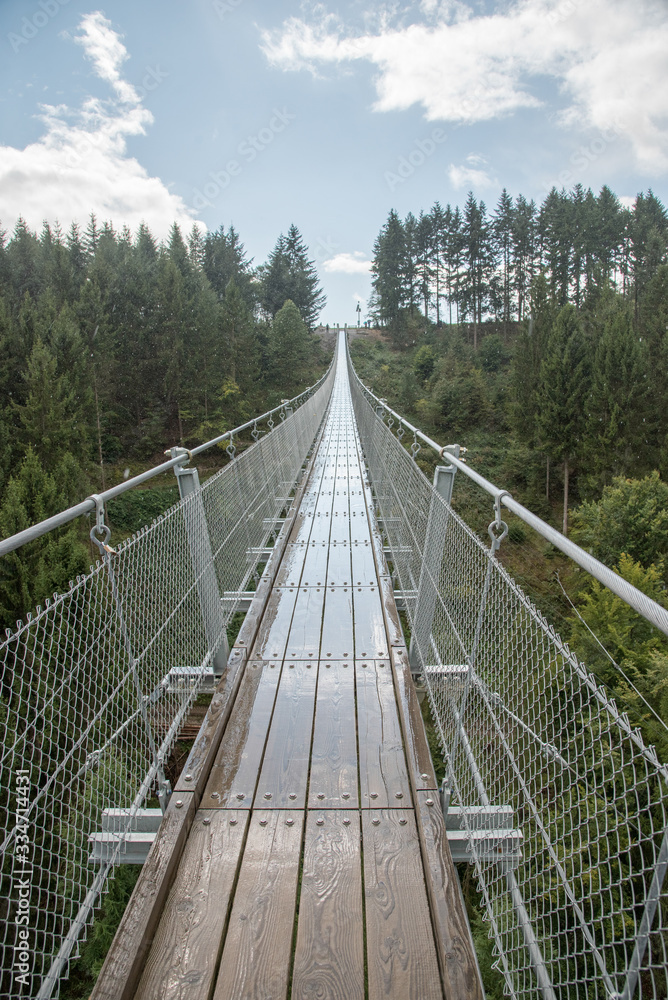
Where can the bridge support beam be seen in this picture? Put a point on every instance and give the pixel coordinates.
(201, 554)
(420, 653)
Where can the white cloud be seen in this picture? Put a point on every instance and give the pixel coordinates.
(348, 263)
(608, 57)
(471, 173)
(80, 163)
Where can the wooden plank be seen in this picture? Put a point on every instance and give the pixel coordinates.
(282, 783)
(184, 955)
(382, 765)
(194, 776)
(364, 567)
(370, 634)
(234, 774)
(304, 637)
(315, 564)
(401, 956)
(292, 562)
(125, 959)
(274, 628)
(333, 782)
(420, 764)
(337, 626)
(454, 946)
(329, 956)
(392, 621)
(339, 572)
(256, 956)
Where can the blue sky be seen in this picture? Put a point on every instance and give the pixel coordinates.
(323, 114)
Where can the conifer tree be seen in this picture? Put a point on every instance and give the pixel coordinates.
(563, 387)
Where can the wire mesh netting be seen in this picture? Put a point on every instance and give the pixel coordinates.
(563, 806)
(96, 685)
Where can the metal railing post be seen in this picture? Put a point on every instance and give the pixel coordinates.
(419, 652)
(201, 554)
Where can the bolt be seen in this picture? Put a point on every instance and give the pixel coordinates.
(375, 822)
(430, 802)
(289, 822)
(179, 804)
(206, 821)
(398, 795)
(188, 777)
(241, 796)
(267, 795)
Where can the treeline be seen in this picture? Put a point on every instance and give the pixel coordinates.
(467, 265)
(114, 346)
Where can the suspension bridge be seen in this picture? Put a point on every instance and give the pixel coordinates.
(307, 849)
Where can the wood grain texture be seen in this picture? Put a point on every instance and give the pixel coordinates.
(256, 956)
(125, 959)
(370, 633)
(364, 567)
(304, 637)
(333, 782)
(456, 954)
(182, 961)
(329, 956)
(284, 776)
(401, 956)
(204, 749)
(272, 635)
(234, 774)
(382, 764)
(420, 764)
(337, 627)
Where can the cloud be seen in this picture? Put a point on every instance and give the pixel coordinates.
(609, 59)
(471, 174)
(348, 263)
(80, 164)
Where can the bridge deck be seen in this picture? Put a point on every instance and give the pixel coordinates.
(316, 864)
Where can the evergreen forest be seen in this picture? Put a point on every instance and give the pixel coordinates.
(115, 346)
(537, 336)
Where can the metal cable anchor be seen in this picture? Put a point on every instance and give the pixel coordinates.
(100, 528)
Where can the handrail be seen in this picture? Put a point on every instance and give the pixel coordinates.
(644, 605)
(92, 503)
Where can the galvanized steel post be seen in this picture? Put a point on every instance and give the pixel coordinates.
(204, 569)
(420, 647)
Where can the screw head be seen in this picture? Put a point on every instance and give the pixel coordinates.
(263, 822)
(267, 795)
(320, 821)
(320, 795)
(233, 822)
(346, 822)
(424, 776)
(289, 822)
(292, 795)
(188, 777)
(402, 822)
(375, 822)
(374, 795)
(429, 802)
(206, 822)
(179, 804)
(398, 795)
(346, 795)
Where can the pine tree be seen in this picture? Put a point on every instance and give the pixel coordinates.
(389, 272)
(289, 274)
(563, 387)
(292, 350)
(502, 235)
(616, 406)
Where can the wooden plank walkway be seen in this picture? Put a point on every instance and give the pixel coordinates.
(316, 863)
